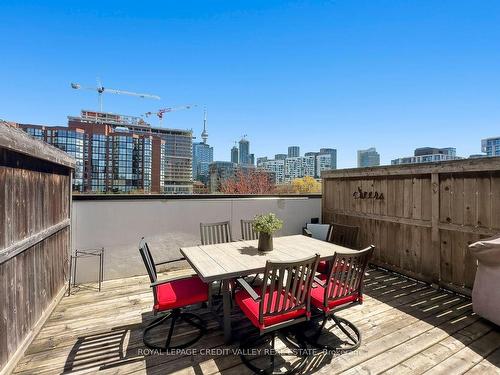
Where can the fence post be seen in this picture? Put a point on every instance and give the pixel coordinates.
(435, 234)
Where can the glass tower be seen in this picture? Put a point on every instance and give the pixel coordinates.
(203, 155)
(368, 158)
(293, 151)
(244, 151)
(234, 155)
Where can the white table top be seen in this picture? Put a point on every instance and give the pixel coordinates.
(235, 259)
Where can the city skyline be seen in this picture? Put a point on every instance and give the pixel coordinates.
(198, 134)
(309, 67)
(204, 152)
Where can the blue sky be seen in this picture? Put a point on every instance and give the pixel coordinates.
(346, 74)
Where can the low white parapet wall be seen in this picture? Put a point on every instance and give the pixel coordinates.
(117, 224)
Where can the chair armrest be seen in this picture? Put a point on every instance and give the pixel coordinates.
(318, 281)
(306, 232)
(248, 289)
(170, 261)
(160, 282)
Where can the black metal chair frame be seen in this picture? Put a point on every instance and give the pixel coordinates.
(295, 279)
(348, 270)
(175, 314)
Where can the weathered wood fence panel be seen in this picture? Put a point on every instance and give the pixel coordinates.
(421, 218)
(35, 199)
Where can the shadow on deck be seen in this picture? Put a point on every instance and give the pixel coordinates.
(407, 327)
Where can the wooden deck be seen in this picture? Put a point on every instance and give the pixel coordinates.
(407, 327)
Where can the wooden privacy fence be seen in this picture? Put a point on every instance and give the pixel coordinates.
(420, 217)
(35, 199)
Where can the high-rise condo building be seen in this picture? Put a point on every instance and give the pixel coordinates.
(203, 155)
(293, 151)
(428, 155)
(297, 167)
(244, 151)
(251, 159)
(368, 158)
(333, 156)
(261, 160)
(277, 167)
(70, 141)
(122, 153)
(326, 159)
(219, 172)
(235, 155)
(311, 164)
(491, 146)
(280, 156)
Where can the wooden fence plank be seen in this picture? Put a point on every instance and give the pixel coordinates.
(446, 273)
(457, 200)
(426, 193)
(417, 198)
(470, 201)
(445, 199)
(470, 262)
(434, 253)
(457, 258)
(483, 200)
(495, 201)
(408, 198)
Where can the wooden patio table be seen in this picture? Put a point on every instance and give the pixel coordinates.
(228, 261)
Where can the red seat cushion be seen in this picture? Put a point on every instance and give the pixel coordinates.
(322, 266)
(180, 293)
(251, 308)
(318, 294)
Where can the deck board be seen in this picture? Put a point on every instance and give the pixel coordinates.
(407, 327)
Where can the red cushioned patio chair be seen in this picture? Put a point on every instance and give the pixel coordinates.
(171, 296)
(340, 289)
(283, 300)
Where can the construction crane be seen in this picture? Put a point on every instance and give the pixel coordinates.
(162, 111)
(101, 90)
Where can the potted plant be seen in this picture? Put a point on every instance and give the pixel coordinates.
(266, 225)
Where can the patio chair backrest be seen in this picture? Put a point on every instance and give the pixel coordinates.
(147, 258)
(288, 286)
(247, 231)
(347, 274)
(319, 231)
(344, 235)
(214, 233)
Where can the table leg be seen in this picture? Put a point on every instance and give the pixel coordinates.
(209, 302)
(226, 295)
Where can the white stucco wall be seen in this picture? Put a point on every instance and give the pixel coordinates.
(167, 225)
